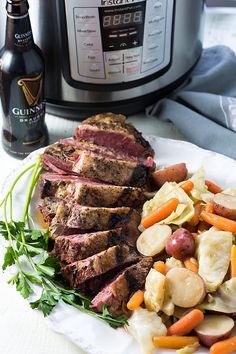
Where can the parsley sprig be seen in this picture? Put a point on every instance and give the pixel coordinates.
(27, 250)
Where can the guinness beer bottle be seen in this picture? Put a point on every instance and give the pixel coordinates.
(21, 85)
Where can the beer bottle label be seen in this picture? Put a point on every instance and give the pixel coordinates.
(20, 31)
(23, 39)
(27, 117)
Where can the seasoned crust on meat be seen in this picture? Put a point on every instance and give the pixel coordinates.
(117, 292)
(79, 272)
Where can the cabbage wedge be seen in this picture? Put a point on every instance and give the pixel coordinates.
(213, 254)
(224, 300)
(184, 211)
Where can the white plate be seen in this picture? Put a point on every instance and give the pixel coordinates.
(91, 334)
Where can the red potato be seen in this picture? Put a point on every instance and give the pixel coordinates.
(181, 244)
(186, 288)
(174, 173)
(214, 328)
(225, 205)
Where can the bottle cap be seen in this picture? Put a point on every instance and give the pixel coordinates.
(17, 7)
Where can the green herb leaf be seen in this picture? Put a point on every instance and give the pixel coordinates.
(41, 236)
(35, 235)
(9, 258)
(34, 250)
(46, 270)
(113, 321)
(14, 228)
(34, 278)
(18, 226)
(14, 279)
(3, 230)
(69, 297)
(52, 263)
(46, 302)
(23, 286)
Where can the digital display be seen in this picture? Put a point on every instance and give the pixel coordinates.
(129, 18)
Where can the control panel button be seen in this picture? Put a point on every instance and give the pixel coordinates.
(87, 43)
(93, 70)
(132, 55)
(150, 61)
(85, 15)
(157, 5)
(133, 33)
(91, 56)
(114, 70)
(113, 58)
(156, 19)
(132, 69)
(153, 46)
(156, 32)
(86, 32)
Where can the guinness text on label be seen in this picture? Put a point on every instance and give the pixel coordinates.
(23, 35)
(27, 111)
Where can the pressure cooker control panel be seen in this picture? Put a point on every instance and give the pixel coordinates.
(114, 41)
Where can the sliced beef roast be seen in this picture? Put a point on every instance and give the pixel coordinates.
(87, 192)
(105, 152)
(89, 196)
(89, 218)
(60, 229)
(55, 164)
(54, 210)
(111, 131)
(118, 172)
(117, 292)
(57, 211)
(71, 248)
(77, 273)
(61, 158)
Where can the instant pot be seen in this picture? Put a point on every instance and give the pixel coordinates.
(113, 55)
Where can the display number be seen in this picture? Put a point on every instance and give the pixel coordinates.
(123, 19)
(127, 18)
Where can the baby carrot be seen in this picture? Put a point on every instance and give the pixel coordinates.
(212, 187)
(191, 264)
(136, 300)
(219, 221)
(196, 217)
(233, 261)
(187, 186)
(174, 342)
(160, 213)
(186, 323)
(224, 347)
(160, 267)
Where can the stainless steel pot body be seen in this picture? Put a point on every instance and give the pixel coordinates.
(125, 86)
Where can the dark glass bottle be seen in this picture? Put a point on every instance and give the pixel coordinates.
(21, 85)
